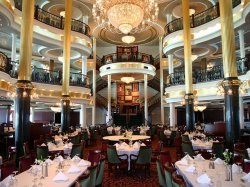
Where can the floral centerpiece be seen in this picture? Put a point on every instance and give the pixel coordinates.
(228, 157)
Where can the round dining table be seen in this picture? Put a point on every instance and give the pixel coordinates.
(120, 137)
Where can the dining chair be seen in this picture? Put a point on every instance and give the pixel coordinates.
(142, 159)
(92, 173)
(168, 172)
(77, 149)
(218, 149)
(116, 160)
(94, 156)
(240, 149)
(178, 180)
(187, 148)
(26, 148)
(7, 168)
(100, 173)
(93, 137)
(163, 137)
(172, 137)
(85, 137)
(83, 180)
(161, 177)
(42, 152)
(104, 148)
(75, 139)
(25, 162)
(185, 138)
(156, 151)
(11, 153)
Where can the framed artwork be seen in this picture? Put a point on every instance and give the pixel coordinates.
(109, 59)
(135, 99)
(128, 98)
(135, 87)
(128, 89)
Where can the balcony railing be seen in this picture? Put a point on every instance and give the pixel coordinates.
(205, 75)
(56, 21)
(128, 57)
(197, 19)
(43, 75)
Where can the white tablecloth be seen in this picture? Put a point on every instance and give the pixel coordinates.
(201, 145)
(25, 179)
(117, 138)
(217, 175)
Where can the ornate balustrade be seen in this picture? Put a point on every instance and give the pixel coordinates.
(205, 75)
(197, 19)
(42, 75)
(128, 57)
(56, 21)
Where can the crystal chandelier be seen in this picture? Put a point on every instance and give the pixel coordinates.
(128, 39)
(125, 16)
(127, 80)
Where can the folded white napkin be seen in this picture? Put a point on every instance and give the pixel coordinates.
(246, 178)
(49, 161)
(183, 162)
(186, 133)
(70, 144)
(218, 161)
(203, 179)
(76, 158)
(199, 157)
(43, 144)
(66, 146)
(124, 144)
(190, 169)
(73, 169)
(167, 132)
(248, 150)
(235, 168)
(60, 177)
(116, 145)
(143, 144)
(136, 145)
(187, 157)
(60, 143)
(83, 163)
(58, 159)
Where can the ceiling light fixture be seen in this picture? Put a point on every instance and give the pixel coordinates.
(191, 11)
(127, 80)
(128, 39)
(125, 16)
(62, 13)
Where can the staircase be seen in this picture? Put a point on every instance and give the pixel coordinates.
(101, 101)
(153, 102)
(154, 83)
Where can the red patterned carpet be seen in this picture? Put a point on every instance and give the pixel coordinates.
(120, 179)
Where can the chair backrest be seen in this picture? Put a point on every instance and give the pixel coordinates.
(185, 138)
(168, 171)
(161, 176)
(144, 156)
(26, 148)
(42, 152)
(25, 162)
(94, 156)
(83, 180)
(188, 148)
(218, 149)
(92, 173)
(178, 180)
(7, 168)
(246, 166)
(11, 153)
(165, 158)
(112, 155)
(77, 149)
(75, 139)
(100, 173)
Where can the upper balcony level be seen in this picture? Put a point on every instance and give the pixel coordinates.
(56, 21)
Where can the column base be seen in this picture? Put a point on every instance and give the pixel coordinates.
(22, 113)
(189, 102)
(231, 97)
(65, 114)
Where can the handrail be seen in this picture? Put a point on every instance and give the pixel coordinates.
(56, 21)
(197, 19)
(128, 57)
(42, 75)
(205, 75)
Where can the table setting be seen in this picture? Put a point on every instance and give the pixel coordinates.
(198, 172)
(60, 172)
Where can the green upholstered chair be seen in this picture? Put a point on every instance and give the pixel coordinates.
(100, 173)
(142, 159)
(42, 152)
(187, 148)
(185, 138)
(114, 159)
(92, 174)
(75, 139)
(77, 149)
(177, 180)
(161, 176)
(218, 149)
(83, 181)
(85, 137)
(168, 172)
